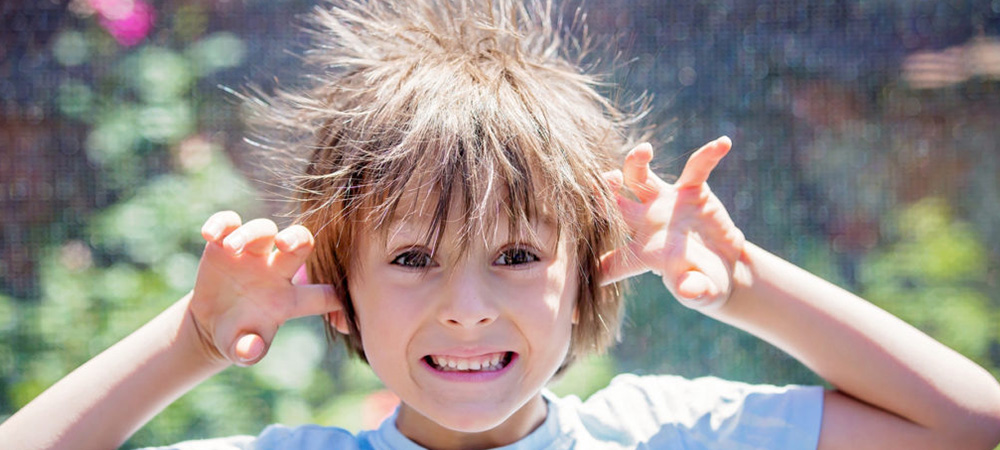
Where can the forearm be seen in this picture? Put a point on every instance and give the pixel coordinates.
(860, 349)
(101, 403)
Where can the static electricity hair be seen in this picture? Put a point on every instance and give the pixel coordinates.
(484, 103)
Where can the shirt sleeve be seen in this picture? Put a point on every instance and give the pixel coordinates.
(706, 413)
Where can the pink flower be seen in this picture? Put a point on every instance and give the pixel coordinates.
(128, 21)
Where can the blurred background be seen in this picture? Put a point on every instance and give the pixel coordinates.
(867, 149)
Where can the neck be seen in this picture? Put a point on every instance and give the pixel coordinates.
(432, 435)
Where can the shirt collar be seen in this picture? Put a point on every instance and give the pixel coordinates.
(549, 435)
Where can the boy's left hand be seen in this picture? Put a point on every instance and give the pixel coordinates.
(680, 231)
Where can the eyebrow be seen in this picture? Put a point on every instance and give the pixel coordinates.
(414, 213)
(412, 223)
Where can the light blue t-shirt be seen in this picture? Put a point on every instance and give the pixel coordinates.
(633, 412)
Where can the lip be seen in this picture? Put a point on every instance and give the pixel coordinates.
(470, 377)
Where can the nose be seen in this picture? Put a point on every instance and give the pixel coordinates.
(467, 302)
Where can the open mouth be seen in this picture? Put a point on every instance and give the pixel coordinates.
(484, 363)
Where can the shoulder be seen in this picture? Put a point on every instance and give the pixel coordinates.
(670, 408)
(280, 437)
(670, 394)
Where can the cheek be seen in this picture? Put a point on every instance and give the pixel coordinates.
(385, 319)
(364, 296)
(558, 291)
(554, 336)
(563, 286)
(567, 284)
(376, 334)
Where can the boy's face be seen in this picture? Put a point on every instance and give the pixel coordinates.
(466, 341)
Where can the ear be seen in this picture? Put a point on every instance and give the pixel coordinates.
(339, 321)
(576, 314)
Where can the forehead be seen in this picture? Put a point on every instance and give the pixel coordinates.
(425, 211)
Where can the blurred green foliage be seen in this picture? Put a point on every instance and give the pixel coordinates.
(140, 253)
(934, 275)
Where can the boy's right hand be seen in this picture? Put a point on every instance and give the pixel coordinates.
(244, 288)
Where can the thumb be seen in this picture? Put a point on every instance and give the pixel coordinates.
(695, 290)
(249, 349)
(301, 275)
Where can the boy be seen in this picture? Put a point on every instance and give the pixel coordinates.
(465, 224)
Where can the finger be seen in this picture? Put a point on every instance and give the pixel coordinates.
(255, 237)
(636, 174)
(301, 275)
(249, 349)
(243, 340)
(700, 165)
(314, 300)
(613, 183)
(619, 264)
(694, 285)
(293, 247)
(220, 225)
(633, 212)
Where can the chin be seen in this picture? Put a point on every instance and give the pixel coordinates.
(475, 421)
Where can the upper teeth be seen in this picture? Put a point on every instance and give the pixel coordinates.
(484, 362)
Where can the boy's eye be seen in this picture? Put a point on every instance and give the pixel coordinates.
(515, 256)
(414, 259)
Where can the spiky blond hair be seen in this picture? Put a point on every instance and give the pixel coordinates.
(485, 102)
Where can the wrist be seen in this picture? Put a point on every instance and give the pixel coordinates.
(194, 340)
(744, 278)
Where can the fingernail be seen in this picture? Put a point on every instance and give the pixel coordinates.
(248, 348)
(294, 241)
(213, 231)
(235, 242)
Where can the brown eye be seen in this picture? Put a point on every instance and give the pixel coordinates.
(413, 259)
(515, 256)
